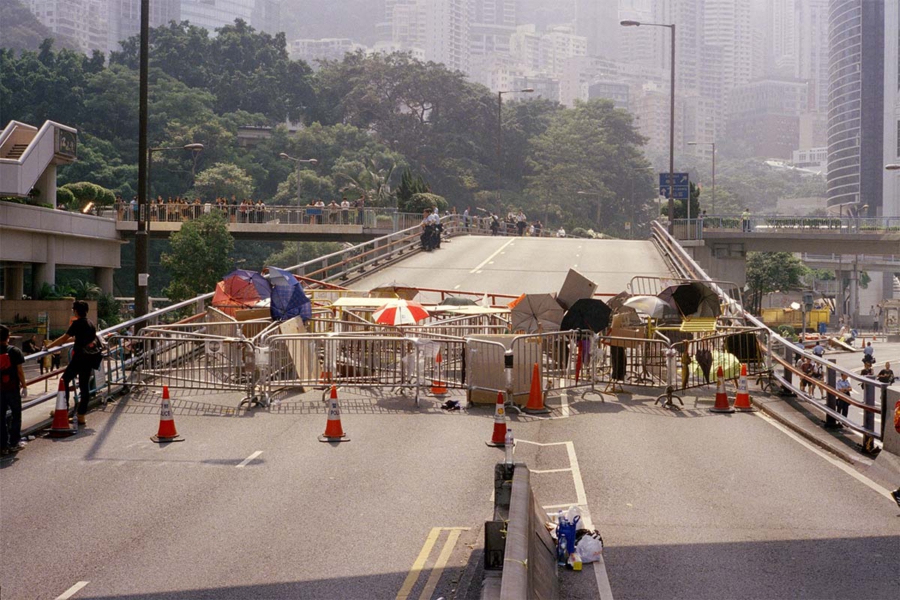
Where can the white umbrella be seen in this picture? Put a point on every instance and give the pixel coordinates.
(649, 305)
(536, 312)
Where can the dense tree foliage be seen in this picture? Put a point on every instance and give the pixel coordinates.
(199, 256)
(772, 272)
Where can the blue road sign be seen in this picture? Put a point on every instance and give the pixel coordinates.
(682, 187)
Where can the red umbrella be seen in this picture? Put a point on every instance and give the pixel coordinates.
(240, 289)
(400, 312)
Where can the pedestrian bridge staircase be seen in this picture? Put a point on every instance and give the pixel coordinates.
(26, 152)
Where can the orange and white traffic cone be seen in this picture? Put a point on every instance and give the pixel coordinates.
(166, 432)
(60, 427)
(438, 387)
(535, 404)
(333, 430)
(498, 440)
(742, 398)
(722, 405)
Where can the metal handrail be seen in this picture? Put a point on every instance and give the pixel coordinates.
(667, 242)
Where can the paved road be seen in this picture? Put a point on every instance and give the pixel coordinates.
(517, 265)
(690, 505)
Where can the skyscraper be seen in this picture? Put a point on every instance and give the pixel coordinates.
(84, 22)
(855, 104)
(598, 21)
(124, 17)
(812, 51)
(262, 15)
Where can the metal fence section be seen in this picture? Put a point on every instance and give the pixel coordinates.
(193, 361)
(691, 229)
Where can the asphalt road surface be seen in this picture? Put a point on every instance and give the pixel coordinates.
(251, 505)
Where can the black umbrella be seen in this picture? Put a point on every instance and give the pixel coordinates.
(692, 299)
(587, 313)
(458, 301)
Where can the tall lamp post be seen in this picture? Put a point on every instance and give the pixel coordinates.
(713, 144)
(671, 118)
(141, 258)
(142, 235)
(500, 137)
(299, 161)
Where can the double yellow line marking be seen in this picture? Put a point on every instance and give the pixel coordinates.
(439, 565)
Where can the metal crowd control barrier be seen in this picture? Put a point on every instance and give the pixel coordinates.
(194, 361)
(364, 361)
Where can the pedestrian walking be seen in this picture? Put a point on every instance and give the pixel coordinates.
(12, 389)
(29, 346)
(84, 334)
(521, 223)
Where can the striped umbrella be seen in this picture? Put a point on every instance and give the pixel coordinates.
(400, 312)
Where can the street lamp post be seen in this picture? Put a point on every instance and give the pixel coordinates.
(671, 118)
(713, 144)
(141, 257)
(299, 161)
(194, 148)
(500, 137)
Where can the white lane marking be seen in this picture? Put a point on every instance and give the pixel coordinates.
(72, 590)
(540, 444)
(542, 471)
(576, 475)
(835, 461)
(457, 286)
(489, 258)
(247, 460)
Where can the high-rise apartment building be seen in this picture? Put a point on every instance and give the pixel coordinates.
(84, 22)
(782, 33)
(855, 104)
(124, 18)
(726, 25)
(262, 15)
(447, 30)
(598, 21)
(812, 51)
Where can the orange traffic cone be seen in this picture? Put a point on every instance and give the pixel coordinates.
(60, 427)
(535, 404)
(438, 388)
(166, 431)
(333, 430)
(722, 405)
(742, 398)
(499, 438)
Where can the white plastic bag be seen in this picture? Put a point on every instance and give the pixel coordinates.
(572, 513)
(589, 548)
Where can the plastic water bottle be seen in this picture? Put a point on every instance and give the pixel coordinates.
(562, 554)
(509, 446)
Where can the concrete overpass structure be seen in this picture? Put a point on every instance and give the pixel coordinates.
(720, 245)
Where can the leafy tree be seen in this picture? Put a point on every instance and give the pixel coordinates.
(312, 187)
(368, 180)
(84, 192)
(425, 201)
(295, 253)
(409, 185)
(594, 149)
(223, 180)
(64, 197)
(199, 256)
(771, 272)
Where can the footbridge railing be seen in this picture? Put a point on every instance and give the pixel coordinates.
(782, 357)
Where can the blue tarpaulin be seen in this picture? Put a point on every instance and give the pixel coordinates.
(288, 298)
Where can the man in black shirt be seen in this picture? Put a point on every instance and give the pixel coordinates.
(12, 388)
(83, 332)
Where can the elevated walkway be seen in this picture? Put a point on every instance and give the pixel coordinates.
(272, 223)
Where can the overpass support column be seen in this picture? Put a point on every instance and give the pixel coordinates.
(47, 185)
(13, 282)
(45, 272)
(103, 278)
(887, 285)
(854, 295)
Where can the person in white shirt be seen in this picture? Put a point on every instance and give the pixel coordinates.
(561, 233)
